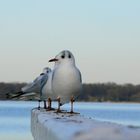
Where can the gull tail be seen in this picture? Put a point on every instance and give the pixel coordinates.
(14, 95)
(18, 94)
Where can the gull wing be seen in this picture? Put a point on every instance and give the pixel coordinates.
(34, 86)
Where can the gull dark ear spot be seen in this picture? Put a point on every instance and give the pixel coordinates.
(69, 56)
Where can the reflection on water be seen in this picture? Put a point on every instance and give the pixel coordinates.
(15, 116)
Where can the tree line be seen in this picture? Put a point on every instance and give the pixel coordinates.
(111, 92)
(99, 92)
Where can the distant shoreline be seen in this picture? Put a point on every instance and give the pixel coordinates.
(97, 92)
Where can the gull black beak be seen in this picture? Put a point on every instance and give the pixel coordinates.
(53, 60)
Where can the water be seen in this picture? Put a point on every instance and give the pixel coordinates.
(15, 116)
(15, 120)
(121, 113)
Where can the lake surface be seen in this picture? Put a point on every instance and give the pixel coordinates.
(15, 116)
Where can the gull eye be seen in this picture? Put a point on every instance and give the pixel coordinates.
(63, 56)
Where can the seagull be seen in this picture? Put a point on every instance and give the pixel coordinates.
(35, 86)
(46, 88)
(66, 79)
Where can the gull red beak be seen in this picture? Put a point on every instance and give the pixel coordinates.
(53, 60)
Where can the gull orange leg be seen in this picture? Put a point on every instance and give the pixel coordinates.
(72, 101)
(58, 99)
(49, 103)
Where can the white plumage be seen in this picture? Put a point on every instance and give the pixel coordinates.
(66, 78)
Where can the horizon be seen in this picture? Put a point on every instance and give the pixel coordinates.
(102, 35)
(99, 83)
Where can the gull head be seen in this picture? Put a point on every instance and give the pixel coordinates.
(64, 57)
(47, 70)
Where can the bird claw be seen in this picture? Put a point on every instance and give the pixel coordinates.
(58, 111)
(50, 109)
(71, 112)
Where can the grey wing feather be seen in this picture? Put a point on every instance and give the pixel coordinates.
(33, 87)
(80, 76)
(81, 85)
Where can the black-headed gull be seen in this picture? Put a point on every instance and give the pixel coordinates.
(46, 88)
(66, 79)
(35, 87)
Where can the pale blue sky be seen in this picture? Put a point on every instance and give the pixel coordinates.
(104, 36)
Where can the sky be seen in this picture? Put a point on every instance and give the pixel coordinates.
(103, 35)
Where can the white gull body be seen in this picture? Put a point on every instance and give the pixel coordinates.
(66, 78)
(46, 89)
